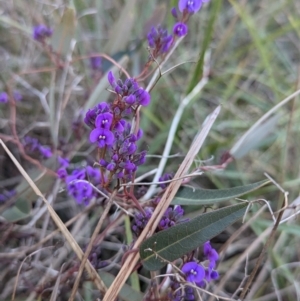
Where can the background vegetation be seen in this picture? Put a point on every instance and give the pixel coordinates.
(252, 51)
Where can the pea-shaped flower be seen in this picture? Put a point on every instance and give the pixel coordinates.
(193, 272)
(102, 136)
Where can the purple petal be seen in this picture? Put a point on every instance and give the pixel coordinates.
(111, 79)
(192, 6)
(94, 135)
(110, 138)
(143, 97)
(104, 120)
(180, 29)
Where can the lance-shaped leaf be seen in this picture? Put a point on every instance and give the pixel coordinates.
(64, 32)
(179, 240)
(19, 211)
(193, 196)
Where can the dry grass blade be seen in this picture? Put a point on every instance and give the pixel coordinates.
(92, 272)
(165, 201)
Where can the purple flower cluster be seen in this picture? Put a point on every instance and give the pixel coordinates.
(6, 195)
(197, 273)
(78, 182)
(171, 217)
(159, 41)
(33, 145)
(112, 132)
(140, 220)
(41, 32)
(212, 256)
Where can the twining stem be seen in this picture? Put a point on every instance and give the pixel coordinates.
(90, 245)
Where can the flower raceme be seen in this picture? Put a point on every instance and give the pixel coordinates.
(113, 133)
(159, 41)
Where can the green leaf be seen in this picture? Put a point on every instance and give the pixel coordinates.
(64, 32)
(19, 211)
(179, 240)
(192, 196)
(127, 293)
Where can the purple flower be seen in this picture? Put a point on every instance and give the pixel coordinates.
(45, 151)
(130, 99)
(77, 174)
(192, 6)
(40, 32)
(96, 62)
(119, 126)
(104, 121)
(214, 275)
(143, 97)
(193, 272)
(81, 191)
(3, 97)
(62, 173)
(92, 114)
(129, 166)
(209, 252)
(111, 166)
(102, 136)
(174, 13)
(140, 159)
(111, 79)
(94, 174)
(180, 29)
